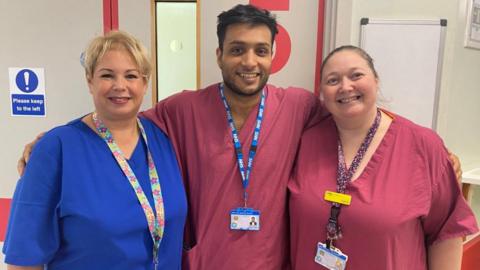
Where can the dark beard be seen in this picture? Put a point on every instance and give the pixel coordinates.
(239, 92)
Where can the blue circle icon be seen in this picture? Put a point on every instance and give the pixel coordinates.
(27, 80)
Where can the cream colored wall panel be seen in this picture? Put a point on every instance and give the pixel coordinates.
(49, 35)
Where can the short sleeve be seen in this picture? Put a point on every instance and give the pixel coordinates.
(160, 115)
(314, 111)
(450, 215)
(33, 232)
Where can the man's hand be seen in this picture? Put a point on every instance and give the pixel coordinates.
(456, 165)
(27, 151)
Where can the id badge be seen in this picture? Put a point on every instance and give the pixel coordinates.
(245, 219)
(332, 259)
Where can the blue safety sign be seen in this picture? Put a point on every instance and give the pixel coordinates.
(27, 91)
(26, 80)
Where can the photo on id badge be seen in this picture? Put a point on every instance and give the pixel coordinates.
(332, 258)
(245, 219)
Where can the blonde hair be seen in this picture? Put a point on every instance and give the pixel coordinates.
(117, 40)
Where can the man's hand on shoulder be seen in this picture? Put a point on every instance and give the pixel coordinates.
(27, 151)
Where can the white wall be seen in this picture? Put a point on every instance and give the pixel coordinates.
(459, 95)
(50, 36)
(461, 115)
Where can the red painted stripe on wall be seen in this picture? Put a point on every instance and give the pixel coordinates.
(106, 16)
(4, 212)
(277, 5)
(320, 28)
(114, 14)
(110, 15)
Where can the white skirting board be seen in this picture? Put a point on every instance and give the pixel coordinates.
(471, 177)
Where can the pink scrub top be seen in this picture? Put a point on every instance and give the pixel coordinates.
(406, 199)
(196, 122)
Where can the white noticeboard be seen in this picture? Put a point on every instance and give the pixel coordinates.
(408, 57)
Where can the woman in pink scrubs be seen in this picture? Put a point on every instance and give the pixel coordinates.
(371, 189)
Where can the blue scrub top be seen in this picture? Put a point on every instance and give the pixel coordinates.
(75, 209)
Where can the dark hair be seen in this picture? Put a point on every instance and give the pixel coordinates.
(355, 49)
(246, 14)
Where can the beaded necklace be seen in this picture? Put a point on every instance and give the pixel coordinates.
(344, 176)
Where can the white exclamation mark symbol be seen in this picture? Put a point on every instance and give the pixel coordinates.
(26, 76)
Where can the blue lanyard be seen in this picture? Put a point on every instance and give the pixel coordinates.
(245, 173)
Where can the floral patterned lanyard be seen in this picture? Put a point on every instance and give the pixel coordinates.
(344, 176)
(156, 224)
